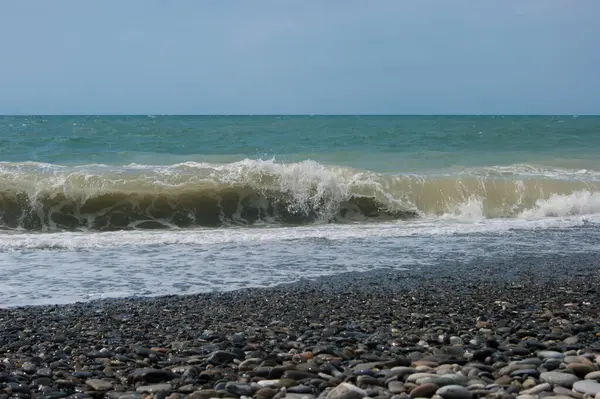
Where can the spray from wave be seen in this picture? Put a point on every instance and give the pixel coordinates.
(47, 197)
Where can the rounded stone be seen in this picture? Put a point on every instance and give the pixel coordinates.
(396, 387)
(558, 378)
(454, 392)
(346, 390)
(550, 355)
(595, 375)
(424, 391)
(590, 387)
(265, 393)
(581, 369)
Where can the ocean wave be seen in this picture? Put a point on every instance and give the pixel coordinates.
(46, 197)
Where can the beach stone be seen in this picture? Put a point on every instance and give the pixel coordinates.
(298, 375)
(571, 340)
(589, 387)
(444, 379)
(551, 355)
(558, 378)
(249, 364)
(572, 358)
(269, 383)
(524, 372)
(44, 372)
(298, 396)
(526, 397)
(239, 388)
(396, 387)
(151, 375)
(346, 390)
(504, 380)
(154, 388)
(221, 357)
(401, 371)
(537, 389)
(552, 364)
(454, 392)
(594, 375)
(560, 391)
(529, 383)
(204, 394)
(29, 367)
(265, 393)
(417, 376)
(424, 391)
(581, 369)
(512, 367)
(123, 395)
(300, 389)
(99, 385)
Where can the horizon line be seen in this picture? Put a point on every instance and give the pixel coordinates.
(292, 114)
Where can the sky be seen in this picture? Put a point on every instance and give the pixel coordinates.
(300, 57)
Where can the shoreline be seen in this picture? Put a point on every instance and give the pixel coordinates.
(472, 330)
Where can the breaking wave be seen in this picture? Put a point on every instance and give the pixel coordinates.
(45, 197)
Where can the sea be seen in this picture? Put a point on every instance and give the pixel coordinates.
(96, 207)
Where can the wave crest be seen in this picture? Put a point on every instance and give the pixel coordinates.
(99, 197)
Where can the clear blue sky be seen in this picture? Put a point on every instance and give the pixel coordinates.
(304, 56)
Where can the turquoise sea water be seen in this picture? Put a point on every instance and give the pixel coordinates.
(379, 143)
(99, 206)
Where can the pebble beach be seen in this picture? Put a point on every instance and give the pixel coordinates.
(519, 328)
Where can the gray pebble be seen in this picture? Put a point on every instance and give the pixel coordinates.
(589, 387)
(454, 392)
(558, 378)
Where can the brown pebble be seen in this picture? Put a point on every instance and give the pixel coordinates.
(265, 393)
(581, 369)
(505, 380)
(424, 391)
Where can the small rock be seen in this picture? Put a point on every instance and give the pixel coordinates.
(537, 389)
(396, 387)
(204, 394)
(571, 340)
(151, 375)
(29, 367)
(581, 369)
(454, 392)
(589, 387)
(558, 378)
(424, 391)
(154, 388)
(401, 372)
(550, 355)
(265, 393)
(45, 372)
(298, 396)
(221, 357)
(99, 385)
(346, 390)
(239, 388)
(269, 383)
(525, 372)
(300, 389)
(595, 375)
